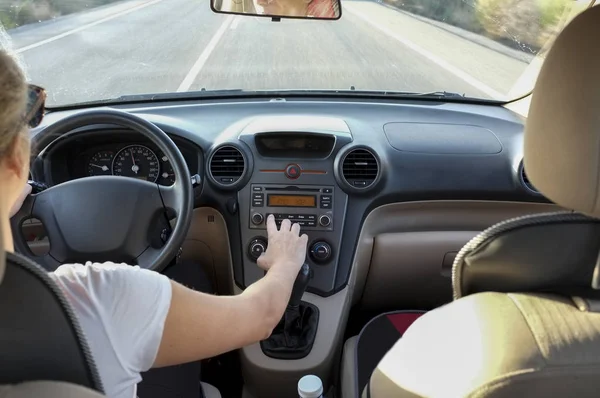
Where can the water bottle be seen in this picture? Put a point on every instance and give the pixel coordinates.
(310, 386)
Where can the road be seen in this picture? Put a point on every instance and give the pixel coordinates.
(157, 46)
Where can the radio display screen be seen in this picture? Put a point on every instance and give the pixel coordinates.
(291, 201)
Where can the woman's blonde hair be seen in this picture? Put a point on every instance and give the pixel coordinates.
(13, 101)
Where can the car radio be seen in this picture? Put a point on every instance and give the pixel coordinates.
(309, 206)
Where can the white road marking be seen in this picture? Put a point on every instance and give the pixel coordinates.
(430, 56)
(83, 27)
(235, 22)
(193, 73)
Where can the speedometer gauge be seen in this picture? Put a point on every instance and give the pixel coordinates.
(136, 161)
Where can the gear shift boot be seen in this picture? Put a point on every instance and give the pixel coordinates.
(294, 336)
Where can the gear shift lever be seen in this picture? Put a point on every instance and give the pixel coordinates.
(299, 287)
(295, 334)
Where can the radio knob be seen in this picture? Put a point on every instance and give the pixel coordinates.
(324, 221)
(256, 248)
(320, 252)
(257, 218)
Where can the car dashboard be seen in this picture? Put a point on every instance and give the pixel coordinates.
(387, 192)
(323, 164)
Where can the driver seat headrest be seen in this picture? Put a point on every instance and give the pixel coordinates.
(562, 131)
(40, 336)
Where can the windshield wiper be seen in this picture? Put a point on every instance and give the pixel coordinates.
(185, 94)
(441, 94)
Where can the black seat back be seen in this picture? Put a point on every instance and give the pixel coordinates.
(40, 337)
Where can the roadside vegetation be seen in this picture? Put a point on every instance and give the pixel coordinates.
(15, 13)
(523, 24)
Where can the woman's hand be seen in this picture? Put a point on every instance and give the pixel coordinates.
(19, 202)
(286, 248)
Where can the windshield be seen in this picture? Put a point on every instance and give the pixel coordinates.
(90, 50)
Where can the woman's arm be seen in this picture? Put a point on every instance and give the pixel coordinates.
(200, 325)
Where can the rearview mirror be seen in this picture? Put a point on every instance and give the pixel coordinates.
(276, 9)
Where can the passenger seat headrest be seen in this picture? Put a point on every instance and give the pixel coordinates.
(555, 253)
(562, 132)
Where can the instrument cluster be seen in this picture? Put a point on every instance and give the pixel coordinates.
(130, 160)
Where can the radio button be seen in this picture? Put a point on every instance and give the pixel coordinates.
(324, 221)
(257, 218)
(258, 199)
(325, 198)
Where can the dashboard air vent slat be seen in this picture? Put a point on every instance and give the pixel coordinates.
(227, 165)
(360, 168)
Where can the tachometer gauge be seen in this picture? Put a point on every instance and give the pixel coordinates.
(167, 175)
(100, 164)
(136, 161)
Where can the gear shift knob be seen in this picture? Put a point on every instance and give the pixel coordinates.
(299, 286)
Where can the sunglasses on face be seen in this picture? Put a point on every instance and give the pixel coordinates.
(36, 98)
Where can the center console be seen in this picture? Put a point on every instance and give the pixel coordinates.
(290, 170)
(293, 178)
(311, 207)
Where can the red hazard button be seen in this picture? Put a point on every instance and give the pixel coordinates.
(292, 171)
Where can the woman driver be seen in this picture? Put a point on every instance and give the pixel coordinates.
(136, 319)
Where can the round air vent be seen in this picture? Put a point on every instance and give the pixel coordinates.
(227, 165)
(525, 181)
(360, 168)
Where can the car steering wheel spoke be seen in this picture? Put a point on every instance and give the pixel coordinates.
(171, 197)
(148, 257)
(24, 214)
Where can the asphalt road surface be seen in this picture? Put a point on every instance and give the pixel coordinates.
(160, 46)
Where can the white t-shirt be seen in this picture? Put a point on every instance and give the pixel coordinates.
(122, 311)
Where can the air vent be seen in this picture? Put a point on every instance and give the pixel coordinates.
(227, 165)
(360, 168)
(526, 183)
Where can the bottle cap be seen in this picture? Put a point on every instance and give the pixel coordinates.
(310, 386)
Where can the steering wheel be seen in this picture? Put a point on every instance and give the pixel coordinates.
(109, 218)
